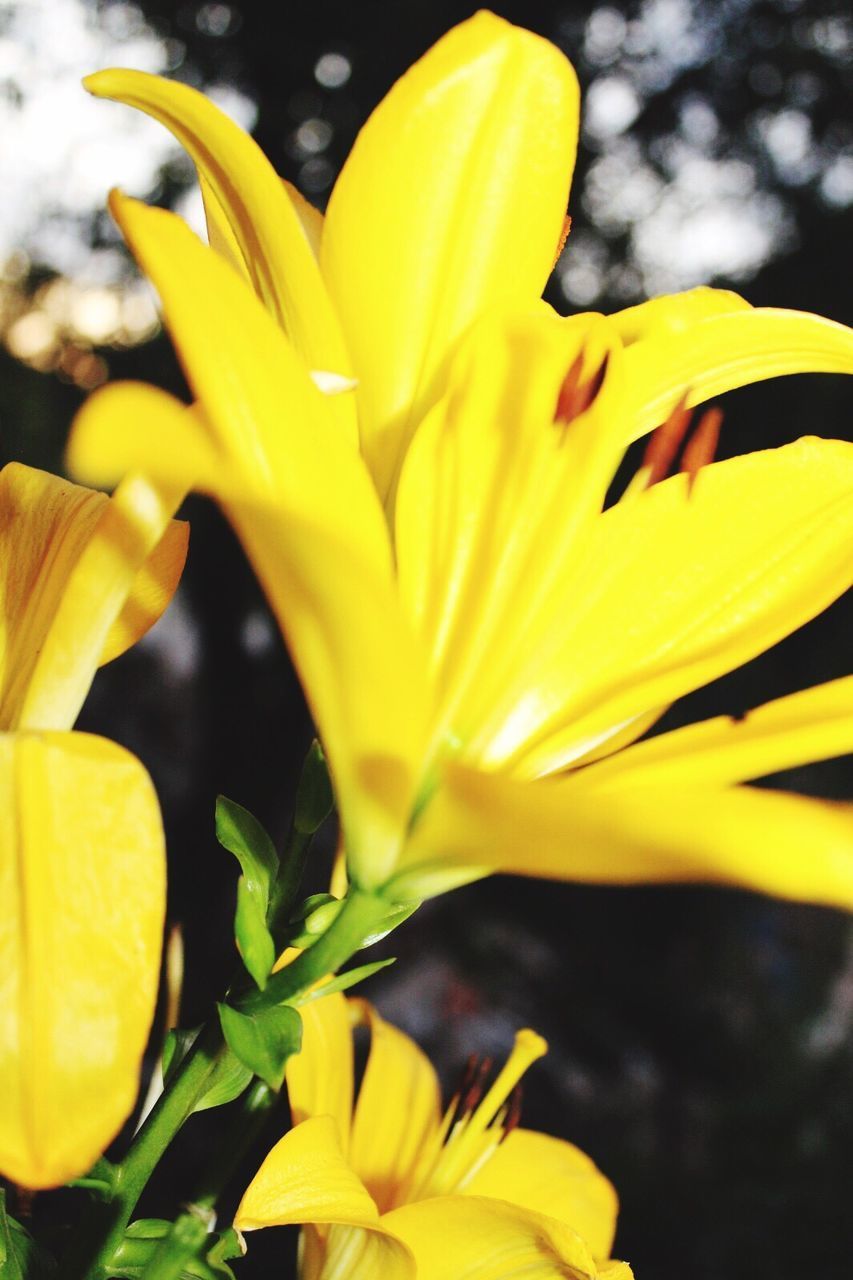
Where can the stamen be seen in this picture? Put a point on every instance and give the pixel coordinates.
(472, 1129)
(665, 442)
(575, 396)
(702, 445)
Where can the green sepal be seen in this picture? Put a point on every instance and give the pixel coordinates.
(263, 1041)
(226, 1081)
(240, 833)
(21, 1258)
(314, 796)
(343, 981)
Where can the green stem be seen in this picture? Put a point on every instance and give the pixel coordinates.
(255, 1107)
(357, 918)
(187, 1236)
(103, 1227)
(288, 880)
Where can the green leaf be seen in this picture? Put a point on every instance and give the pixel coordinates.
(240, 833)
(263, 1041)
(344, 981)
(225, 1083)
(254, 939)
(314, 795)
(389, 923)
(21, 1258)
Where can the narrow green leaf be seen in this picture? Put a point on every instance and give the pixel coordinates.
(263, 1041)
(257, 949)
(343, 981)
(314, 795)
(225, 1083)
(240, 833)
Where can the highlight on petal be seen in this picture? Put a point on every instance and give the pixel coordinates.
(694, 362)
(497, 494)
(306, 1178)
(398, 1110)
(482, 1239)
(82, 881)
(675, 588)
(550, 1176)
(84, 577)
(250, 200)
(320, 1078)
(674, 312)
(370, 1253)
(452, 201)
(784, 845)
(814, 724)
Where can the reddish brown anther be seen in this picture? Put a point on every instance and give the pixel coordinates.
(665, 442)
(513, 1114)
(576, 395)
(702, 445)
(471, 1097)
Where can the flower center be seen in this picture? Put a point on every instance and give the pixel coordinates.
(477, 1120)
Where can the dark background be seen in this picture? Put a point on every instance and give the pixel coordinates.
(701, 1040)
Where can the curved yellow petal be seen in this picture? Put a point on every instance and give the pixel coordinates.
(480, 1239)
(369, 1253)
(82, 881)
(675, 588)
(673, 312)
(692, 363)
(398, 1111)
(251, 200)
(305, 508)
(548, 1175)
(320, 1077)
(83, 577)
(814, 724)
(499, 486)
(306, 1178)
(768, 841)
(452, 200)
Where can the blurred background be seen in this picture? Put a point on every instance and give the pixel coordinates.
(701, 1041)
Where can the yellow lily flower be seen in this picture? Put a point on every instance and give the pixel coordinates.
(385, 1186)
(472, 628)
(82, 865)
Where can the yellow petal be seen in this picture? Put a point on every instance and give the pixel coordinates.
(547, 1175)
(312, 219)
(306, 1178)
(674, 312)
(368, 1253)
(814, 724)
(309, 518)
(452, 200)
(495, 494)
(398, 1111)
(779, 844)
(677, 587)
(320, 1076)
(251, 200)
(84, 577)
(82, 881)
(480, 1239)
(692, 363)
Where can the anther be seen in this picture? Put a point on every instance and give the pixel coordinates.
(665, 442)
(513, 1112)
(702, 445)
(576, 396)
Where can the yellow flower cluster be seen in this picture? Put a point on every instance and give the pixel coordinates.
(416, 452)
